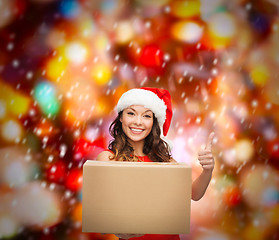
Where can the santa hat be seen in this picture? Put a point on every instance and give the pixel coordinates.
(158, 100)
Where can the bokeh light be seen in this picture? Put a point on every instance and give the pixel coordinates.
(56, 172)
(76, 52)
(11, 130)
(151, 56)
(74, 180)
(17, 167)
(101, 74)
(37, 206)
(260, 186)
(124, 32)
(46, 96)
(185, 9)
(8, 226)
(260, 75)
(187, 31)
(222, 29)
(56, 67)
(244, 150)
(69, 8)
(77, 213)
(13, 101)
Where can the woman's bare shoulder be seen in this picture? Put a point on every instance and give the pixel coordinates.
(105, 156)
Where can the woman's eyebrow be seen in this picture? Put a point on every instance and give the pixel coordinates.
(135, 110)
(131, 109)
(148, 111)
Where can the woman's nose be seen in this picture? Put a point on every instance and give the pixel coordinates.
(138, 120)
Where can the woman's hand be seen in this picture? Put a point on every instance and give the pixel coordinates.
(127, 235)
(205, 155)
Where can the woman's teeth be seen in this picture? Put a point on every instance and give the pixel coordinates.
(136, 130)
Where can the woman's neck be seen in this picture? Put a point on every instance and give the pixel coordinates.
(138, 147)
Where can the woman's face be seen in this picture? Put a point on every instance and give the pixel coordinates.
(137, 122)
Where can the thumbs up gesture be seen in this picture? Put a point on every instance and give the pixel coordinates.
(205, 155)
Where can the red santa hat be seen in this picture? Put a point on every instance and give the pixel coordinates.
(158, 100)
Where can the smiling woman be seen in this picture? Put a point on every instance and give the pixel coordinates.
(139, 130)
(144, 116)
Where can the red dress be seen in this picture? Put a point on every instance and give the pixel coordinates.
(154, 236)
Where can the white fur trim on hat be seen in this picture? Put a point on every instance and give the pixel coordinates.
(145, 98)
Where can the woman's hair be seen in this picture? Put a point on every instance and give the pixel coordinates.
(154, 147)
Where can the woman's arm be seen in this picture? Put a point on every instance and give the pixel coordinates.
(200, 185)
(206, 160)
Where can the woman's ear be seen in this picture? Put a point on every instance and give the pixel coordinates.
(121, 116)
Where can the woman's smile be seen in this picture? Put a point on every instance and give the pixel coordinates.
(136, 130)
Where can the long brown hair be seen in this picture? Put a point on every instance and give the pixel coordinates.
(154, 147)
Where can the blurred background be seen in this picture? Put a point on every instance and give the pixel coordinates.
(65, 63)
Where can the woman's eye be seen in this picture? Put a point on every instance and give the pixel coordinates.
(148, 116)
(130, 113)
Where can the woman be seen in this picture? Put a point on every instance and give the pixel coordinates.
(144, 116)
